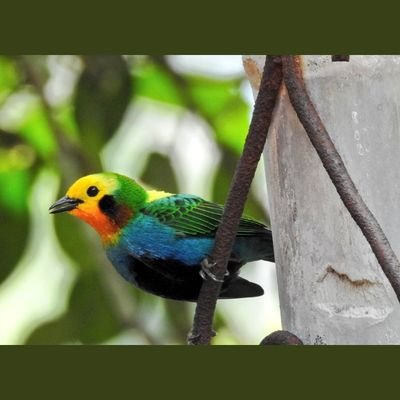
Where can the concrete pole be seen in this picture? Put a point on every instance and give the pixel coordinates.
(331, 288)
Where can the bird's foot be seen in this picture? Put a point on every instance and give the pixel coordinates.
(206, 270)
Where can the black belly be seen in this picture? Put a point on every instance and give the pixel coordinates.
(172, 280)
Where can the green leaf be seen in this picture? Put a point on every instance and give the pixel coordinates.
(221, 102)
(103, 93)
(35, 129)
(14, 221)
(15, 185)
(213, 95)
(9, 78)
(64, 116)
(231, 126)
(14, 231)
(152, 82)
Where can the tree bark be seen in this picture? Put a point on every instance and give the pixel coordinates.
(331, 287)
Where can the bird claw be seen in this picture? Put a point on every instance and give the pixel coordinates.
(206, 270)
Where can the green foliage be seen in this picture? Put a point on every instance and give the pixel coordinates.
(68, 138)
(103, 92)
(34, 128)
(8, 78)
(14, 217)
(13, 240)
(219, 102)
(154, 83)
(224, 107)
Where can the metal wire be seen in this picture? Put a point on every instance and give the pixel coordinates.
(270, 83)
(337, 171)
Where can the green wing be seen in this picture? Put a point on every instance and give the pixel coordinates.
(193, 216)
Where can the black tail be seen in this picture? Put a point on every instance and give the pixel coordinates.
(255, 247)
(269, 247)
(240, 287)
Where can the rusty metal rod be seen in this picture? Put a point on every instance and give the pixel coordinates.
(337, 171)
(202, 332)
(281, 338)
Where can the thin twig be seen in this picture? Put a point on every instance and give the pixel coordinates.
(271, 81)
(337, 171)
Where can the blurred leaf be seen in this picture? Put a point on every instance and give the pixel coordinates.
(17, 157)
(14, 231)
(152, 82)
(103, 93)
(15, 184)
(222, 184)
(14, 221)
(219, 101)
(90, 318)
(64, 115)
(231, 126)
(160, 174)
(9, 78)
(214, 95)
(222, 103)
(35, 129)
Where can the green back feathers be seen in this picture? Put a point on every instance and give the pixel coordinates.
(191, 215)
(187, 214)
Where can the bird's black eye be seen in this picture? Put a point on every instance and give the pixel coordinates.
(92, 191)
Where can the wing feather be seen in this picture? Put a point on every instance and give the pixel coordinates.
(193, 216)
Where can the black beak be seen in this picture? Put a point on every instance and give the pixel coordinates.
(64, 204)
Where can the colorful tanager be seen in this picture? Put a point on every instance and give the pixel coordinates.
(161, 242)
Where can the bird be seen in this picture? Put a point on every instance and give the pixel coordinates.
(161, 242)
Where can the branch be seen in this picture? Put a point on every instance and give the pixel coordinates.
(338, 173)
(271, 81)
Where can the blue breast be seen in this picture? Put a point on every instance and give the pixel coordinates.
(145, 236)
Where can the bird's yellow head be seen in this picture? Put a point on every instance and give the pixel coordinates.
(106, 201)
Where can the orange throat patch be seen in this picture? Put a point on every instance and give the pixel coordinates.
(105, 227)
